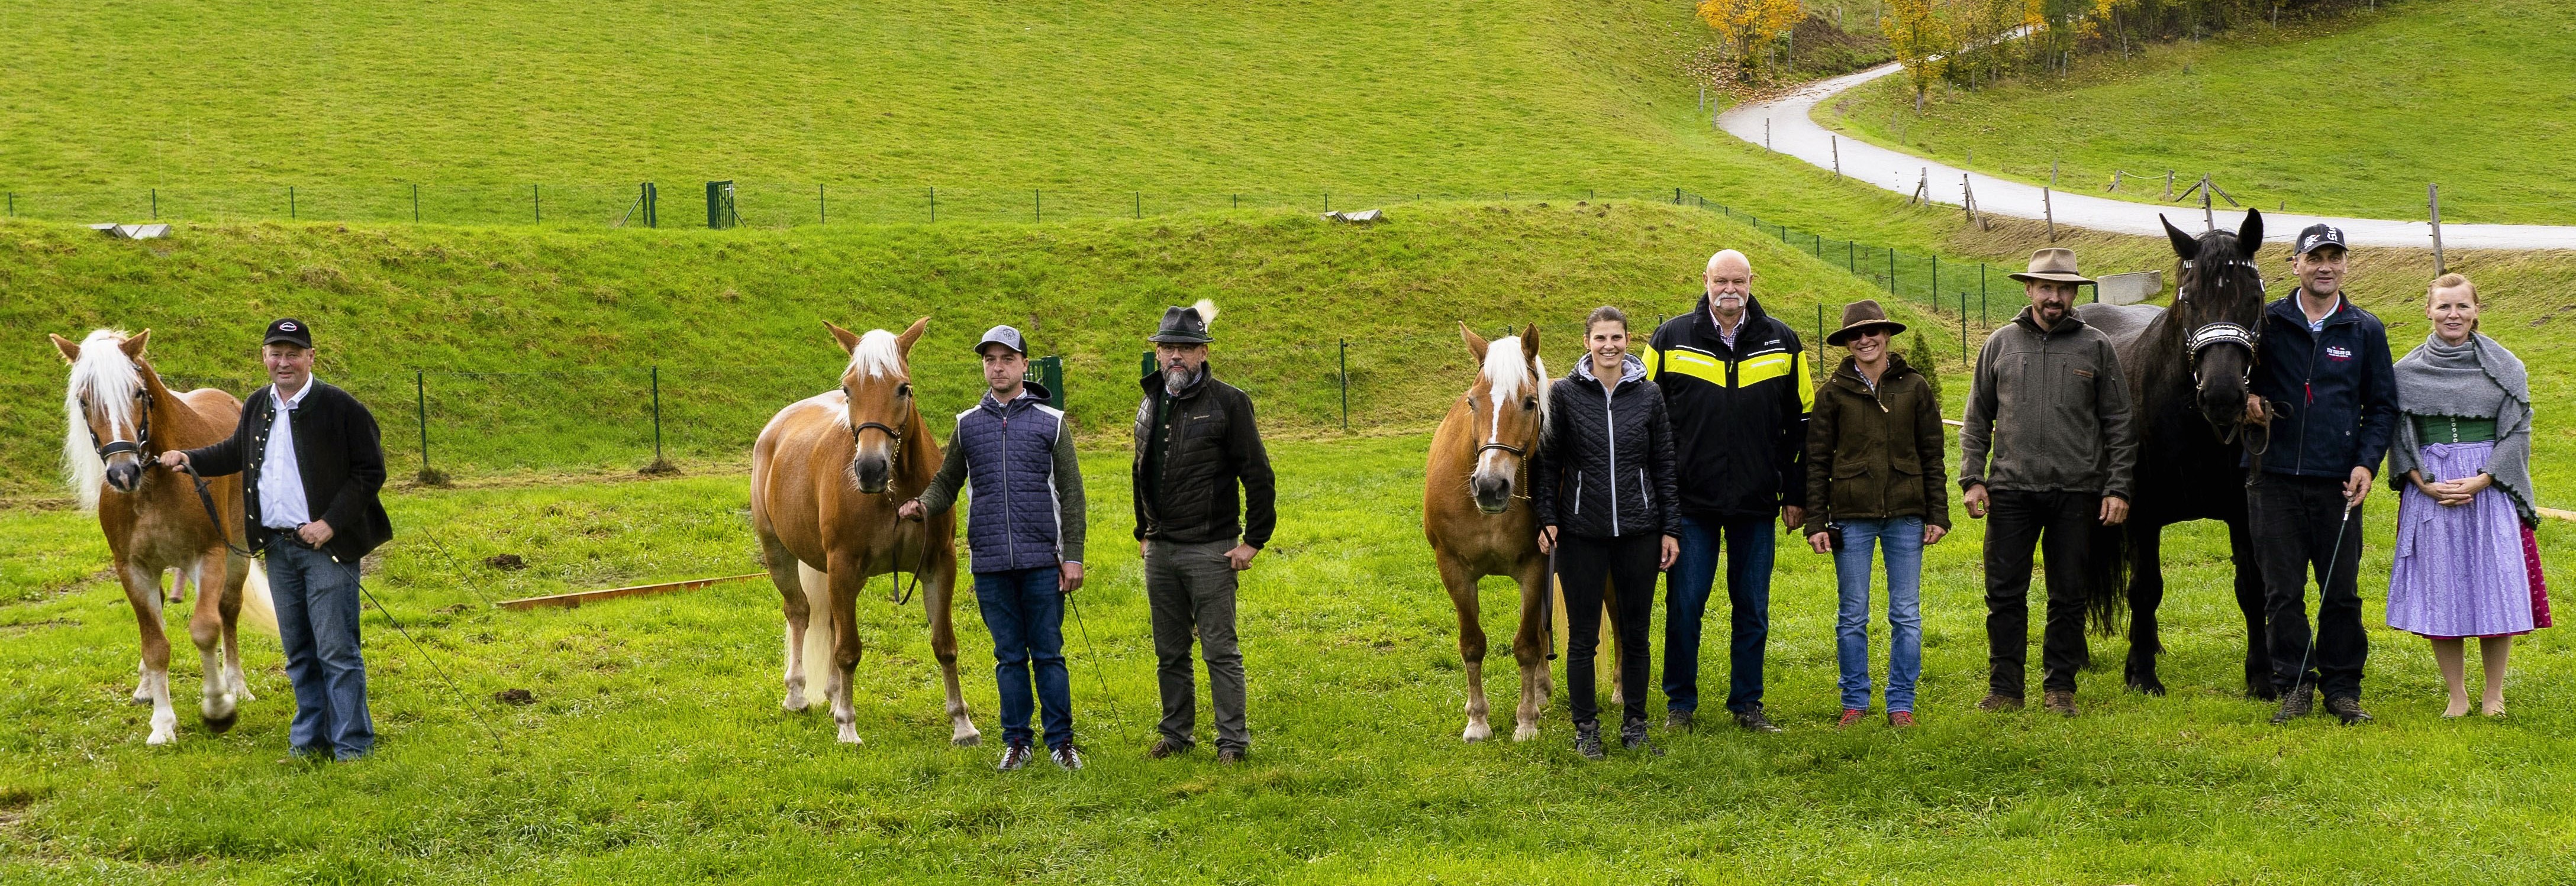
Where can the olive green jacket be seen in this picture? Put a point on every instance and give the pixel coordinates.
(1876, 454)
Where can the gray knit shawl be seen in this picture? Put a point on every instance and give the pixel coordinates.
(2475, 379)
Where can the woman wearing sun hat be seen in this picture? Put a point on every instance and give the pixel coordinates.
(1875, 479)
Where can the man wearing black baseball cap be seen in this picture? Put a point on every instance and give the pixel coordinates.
(2323, 378)
(313, 464)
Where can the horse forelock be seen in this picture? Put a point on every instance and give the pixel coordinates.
(877, 356)
(109, 381)
(1507, 373)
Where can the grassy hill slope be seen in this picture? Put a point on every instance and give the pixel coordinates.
(2353, 116)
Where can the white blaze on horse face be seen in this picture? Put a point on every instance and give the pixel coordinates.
(876, 364)
(109, 381)
(1506, 374)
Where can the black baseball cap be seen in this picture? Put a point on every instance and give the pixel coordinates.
(289, 331)
(1004, 336)
(2319, 236)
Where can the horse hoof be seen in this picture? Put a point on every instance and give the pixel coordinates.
(1525, 732)
(968, 740)
(849, 735)
(161, 737)
(223, 724)
(794, 704)
(2148, 686)
(1477, 732)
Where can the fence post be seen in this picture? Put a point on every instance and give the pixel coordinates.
(156, 203)
(537, 202)
(1346, 385)
(2433, 200)
(2048, 210)
(934, 204)
(1820, 333)
(420, 401)
(290, 202)
(1934, 294)
(1140, 204)
(1891, 271)
(415, 219)
(1963, 326)
(1981, 296)
(1037, 206)
(822, 214)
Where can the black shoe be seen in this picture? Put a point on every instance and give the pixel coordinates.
(2295, 703)
(1164, 747)
(1014, 756)
(1753, 721)
(1230, 756)
(1067, 757)
(1685, 721)
(2347, 709)
(1587, 741)
(1632, 735)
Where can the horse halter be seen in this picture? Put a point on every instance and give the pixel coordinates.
(142, 429)
(894, 462)
(2207, 335)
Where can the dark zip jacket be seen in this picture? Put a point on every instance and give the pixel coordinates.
(338, 454)
(2336, 390)
(1875, 453)
(1203, 444)
(1739, 413)
(1605, 469)
(1018, 459)
(2052, 409)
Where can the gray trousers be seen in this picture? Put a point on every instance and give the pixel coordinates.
(1191, 590)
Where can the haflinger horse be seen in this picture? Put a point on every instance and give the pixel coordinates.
(2189, 369)
(119, 417)
(826, 477)
(1475, 509)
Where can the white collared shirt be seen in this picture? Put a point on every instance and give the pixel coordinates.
(281, 480)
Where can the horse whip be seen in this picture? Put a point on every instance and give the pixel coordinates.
(2334, 557)
(434, 666)
(1093, 653)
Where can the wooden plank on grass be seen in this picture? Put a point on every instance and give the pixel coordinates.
(579, 597)
(2558, 513)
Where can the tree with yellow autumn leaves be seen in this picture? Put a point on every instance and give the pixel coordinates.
(1750, 27)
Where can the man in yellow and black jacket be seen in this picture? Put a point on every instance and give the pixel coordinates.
(1735, 384)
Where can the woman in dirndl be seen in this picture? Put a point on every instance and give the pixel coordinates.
(2467, 564)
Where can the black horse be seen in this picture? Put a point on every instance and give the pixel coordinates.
(2187, 370)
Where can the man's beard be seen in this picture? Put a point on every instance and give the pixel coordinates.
(1176, 377)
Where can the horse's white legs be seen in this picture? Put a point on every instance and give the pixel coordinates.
(936, 592)
(211, 626)
(846, 579)
(1479, 726)
(142, 682)
(795, 700)
(1529, 648)
(143, 592)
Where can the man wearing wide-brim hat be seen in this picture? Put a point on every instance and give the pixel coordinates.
(1195, 444)
(2048, 450)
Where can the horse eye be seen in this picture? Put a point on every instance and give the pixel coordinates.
(903, 390)
(1529, 403)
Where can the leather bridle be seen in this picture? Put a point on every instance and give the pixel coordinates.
(139, 446)
(2208, 335)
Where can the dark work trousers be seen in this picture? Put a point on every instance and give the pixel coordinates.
(2294, 520)
(2060, 525)
(1190, 589)
(1749, 550)
(1628, 564)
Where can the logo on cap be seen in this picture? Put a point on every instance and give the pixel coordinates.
(287, 326)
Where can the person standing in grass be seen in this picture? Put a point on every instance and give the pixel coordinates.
(1023, 537)
(1874, 477)
(2049, 447)
(2466, 564)
(1195, 443)
(312, 462)
(1602, 492)
(1735, 380)
(2323, 380)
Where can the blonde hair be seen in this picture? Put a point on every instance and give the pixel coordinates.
(2457, 281)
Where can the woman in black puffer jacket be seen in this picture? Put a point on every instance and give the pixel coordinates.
(1603, 492)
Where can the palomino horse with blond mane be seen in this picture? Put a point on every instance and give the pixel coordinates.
(826, 477)
(118, 418)
(1475, 508)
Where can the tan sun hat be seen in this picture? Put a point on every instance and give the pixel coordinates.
(2054, 263)
(1859, 317)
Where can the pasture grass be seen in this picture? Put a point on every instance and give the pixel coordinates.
(655, 751)
(2350, 115)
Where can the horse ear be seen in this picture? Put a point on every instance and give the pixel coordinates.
(70, 348)
(1476, 344)
(849, 340)
(133, 347)
(2249, 239)
(903, 343)
(2183, 244)
(1529, 342)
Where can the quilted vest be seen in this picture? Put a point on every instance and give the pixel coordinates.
(1011, 517)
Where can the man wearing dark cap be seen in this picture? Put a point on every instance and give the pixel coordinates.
(2323, 378)
(1023, 536)
(1195, 442)
(312, 464)
(2048, 447)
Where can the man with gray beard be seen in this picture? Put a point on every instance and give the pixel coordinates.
(1195, 442)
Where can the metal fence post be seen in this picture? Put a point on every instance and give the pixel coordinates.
(415, 218)
(1346, 385)
(1140, 204)
(1037, 205)
(1891, 271)
(934, 204)
(156, 203)
(290, 202)
(822, 207)
(657, 416)
(420, 400)
(537, 203)
(1933, 294)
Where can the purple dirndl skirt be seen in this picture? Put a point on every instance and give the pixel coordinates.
(2464, 571)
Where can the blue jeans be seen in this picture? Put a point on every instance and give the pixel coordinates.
(1749, 544)
(1901, 541)
(1025, 612)
(317, 623)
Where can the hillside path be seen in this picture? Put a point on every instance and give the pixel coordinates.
(1793, 131)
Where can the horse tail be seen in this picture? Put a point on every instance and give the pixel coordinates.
(818, 626)
(2106, 577)
(258, 608)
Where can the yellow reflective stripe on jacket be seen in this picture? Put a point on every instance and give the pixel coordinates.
(1695, 365)
(1764, 368)
(1654, 361)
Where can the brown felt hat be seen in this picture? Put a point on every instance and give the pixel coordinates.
(1859, 317)
(2053, 263)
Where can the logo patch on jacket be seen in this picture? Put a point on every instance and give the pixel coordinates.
(2338, 353)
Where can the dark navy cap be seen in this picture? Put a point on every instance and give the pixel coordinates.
(2316, 236)
(289, 331)
(1004, 336)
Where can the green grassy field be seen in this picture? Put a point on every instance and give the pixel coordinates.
(2350, 116)
(655, 751)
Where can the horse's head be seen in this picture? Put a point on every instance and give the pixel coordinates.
(1509, 407)
(878, 388)
(2218, 299)
(107, 411)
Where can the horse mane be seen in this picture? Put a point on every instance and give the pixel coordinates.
(877, 356)
(1505, 372)
(110, 380)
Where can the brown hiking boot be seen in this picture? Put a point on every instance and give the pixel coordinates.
(2058, 701)
(1900, 719)
(1999, 702)
(1164, 747)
